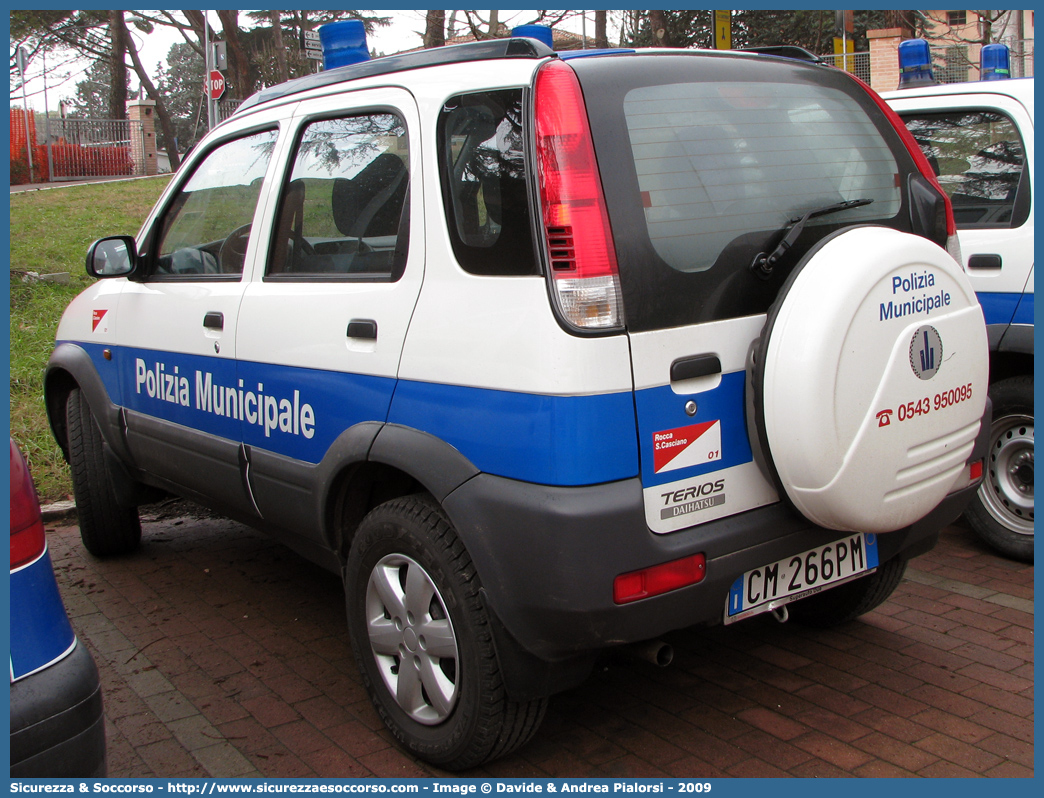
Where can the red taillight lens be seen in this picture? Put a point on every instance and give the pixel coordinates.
(915, 152)
(27, 530)
(576, 222)
(659, 579)
(975, 470)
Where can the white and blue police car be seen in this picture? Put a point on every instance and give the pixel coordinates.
(978, 138)
(544, 353)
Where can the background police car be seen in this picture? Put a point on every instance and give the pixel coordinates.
(979, 139)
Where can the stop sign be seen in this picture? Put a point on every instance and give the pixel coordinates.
(215, 85)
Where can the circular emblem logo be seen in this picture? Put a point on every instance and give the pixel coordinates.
(926, 352)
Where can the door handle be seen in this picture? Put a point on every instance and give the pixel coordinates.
(214, 320)
(690, 368)
(362, 328)
(984, 262)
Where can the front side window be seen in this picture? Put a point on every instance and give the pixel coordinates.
(205, 231)
(980, 160)
(344, 213)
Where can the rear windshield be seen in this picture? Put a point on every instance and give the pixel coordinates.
(715, 161)
(712, 157)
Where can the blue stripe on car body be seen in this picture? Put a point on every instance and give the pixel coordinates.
(1024, 310)
(43, 634)
(725, 404)
(547, 440)
(999, 308)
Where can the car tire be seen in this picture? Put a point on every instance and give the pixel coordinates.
(1002, 511)
(847, 602)
(409, 580)
(107, 528)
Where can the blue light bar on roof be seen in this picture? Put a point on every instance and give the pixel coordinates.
(995, 61)
(343, 43)
(541, 33)
(915, 64)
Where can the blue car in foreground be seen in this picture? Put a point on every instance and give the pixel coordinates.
(57, 725)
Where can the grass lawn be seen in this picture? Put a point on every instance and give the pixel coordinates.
(50, 232)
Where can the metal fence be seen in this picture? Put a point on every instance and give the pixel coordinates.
(958, 63)
(856, 63)
(78, 148)
(226, 108)
(1021, 58)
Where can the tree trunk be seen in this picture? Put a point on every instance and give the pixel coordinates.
(118, 66)
(601, 41)
(237, 58)
(161, 108)
(658, 26)
(277, 39)
(196, 22)
(435, 29)
(985, 26)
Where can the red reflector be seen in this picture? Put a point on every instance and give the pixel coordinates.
(27, 530)
(975, 470)
(659, 579)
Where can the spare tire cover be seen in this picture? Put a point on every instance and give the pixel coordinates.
(871, 380)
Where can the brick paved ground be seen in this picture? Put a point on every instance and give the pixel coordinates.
(223, 654)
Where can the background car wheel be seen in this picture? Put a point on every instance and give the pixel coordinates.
(422, 640)
(1002, 511)
(848, 601)
(106, 527)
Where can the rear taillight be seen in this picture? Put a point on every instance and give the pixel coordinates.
(27, 530)
(584, 274)
(952, 244)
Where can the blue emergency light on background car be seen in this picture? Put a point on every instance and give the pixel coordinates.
(995, 62)
(541, 33)
(344, 43)
(915, 64)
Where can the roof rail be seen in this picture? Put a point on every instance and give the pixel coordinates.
(785, 51)
(452, 54)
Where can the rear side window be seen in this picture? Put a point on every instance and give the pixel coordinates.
(344, 211)
(719, 161)
(980, 160)
(483, 170)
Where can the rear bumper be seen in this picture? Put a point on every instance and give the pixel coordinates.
(548, 557)
(57, 725)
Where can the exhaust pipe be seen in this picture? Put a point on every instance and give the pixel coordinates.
(657, 652)
(781, 613)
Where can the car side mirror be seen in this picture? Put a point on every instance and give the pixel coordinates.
(115, 256)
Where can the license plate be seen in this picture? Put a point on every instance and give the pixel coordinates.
(800, 575)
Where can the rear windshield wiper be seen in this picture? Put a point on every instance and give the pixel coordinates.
(764, 264)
